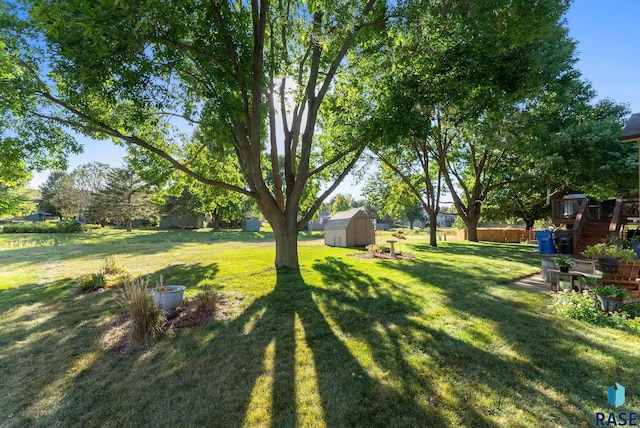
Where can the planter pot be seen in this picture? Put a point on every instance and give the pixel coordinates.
(564, 269)
(547, 263)
(609, 264)
(168, 299)
(609, 304)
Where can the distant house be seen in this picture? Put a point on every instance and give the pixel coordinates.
(190, 221)
(315, 225)
(442, 219)
(40, 215)
(352, 228)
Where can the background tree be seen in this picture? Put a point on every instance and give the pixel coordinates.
(58, 195)
(89, 179)
(135, 74)
(341, 202)
(566, 143)
(124, 198)
(183, 205)
(392, 198)
(452, 92)
(16, 200)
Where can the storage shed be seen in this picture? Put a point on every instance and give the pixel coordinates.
(251, 225)
(352, 228)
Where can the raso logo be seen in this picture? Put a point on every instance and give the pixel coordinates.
(616, 397)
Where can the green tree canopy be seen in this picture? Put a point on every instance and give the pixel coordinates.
(16, 200)
(125, 197)
(140, 72)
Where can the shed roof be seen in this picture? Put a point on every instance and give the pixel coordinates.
(631, 131)
(341, 219)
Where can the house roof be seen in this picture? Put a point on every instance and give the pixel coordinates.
(341, 219)
(631, 131)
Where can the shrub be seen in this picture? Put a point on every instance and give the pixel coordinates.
(145, 315)
(374, 248)
(584, 307)
(609, 250)
(120, 279)
(91, 282)
(72, 226)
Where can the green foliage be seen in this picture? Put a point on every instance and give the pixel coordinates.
(139, 74)
(584, 307)
(374, 248)
(16, 200)
(341, 203)
(91, 282)
(125, 197)
(71, 226)
(611, 291)
(564, 261)
(145, 315)
(609, 250)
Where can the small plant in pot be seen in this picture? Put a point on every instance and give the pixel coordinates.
(610, 297)
(609, 256)
(167, 297)
(564, 262)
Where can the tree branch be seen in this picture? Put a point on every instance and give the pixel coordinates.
(89, 125)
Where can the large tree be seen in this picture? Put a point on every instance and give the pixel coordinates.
(251, 75)
(124, 198)
(447, 102)
(564, 142)
(66, 197)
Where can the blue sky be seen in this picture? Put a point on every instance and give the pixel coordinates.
(608, 50)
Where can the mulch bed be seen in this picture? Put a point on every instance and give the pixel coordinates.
(187, 315)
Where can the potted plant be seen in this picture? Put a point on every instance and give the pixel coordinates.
(609, 256)
(564, 262)
(167, 297)
(610, 297)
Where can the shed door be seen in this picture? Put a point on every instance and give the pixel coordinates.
(360, 232)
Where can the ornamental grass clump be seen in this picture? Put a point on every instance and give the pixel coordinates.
(111, 266)
(145, 315)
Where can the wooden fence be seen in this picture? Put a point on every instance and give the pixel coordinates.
(501, 235)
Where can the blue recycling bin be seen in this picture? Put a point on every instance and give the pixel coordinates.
(545, 242)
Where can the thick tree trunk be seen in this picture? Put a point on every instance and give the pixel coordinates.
(529, 222)
(215, 219)
(472, 227)
(127, 224)
(286, 237)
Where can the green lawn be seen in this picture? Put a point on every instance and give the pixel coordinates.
(438, 340)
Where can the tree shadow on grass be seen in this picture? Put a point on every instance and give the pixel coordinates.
(535, 356)
(281, 362)
(356, 351)
(486, 250)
